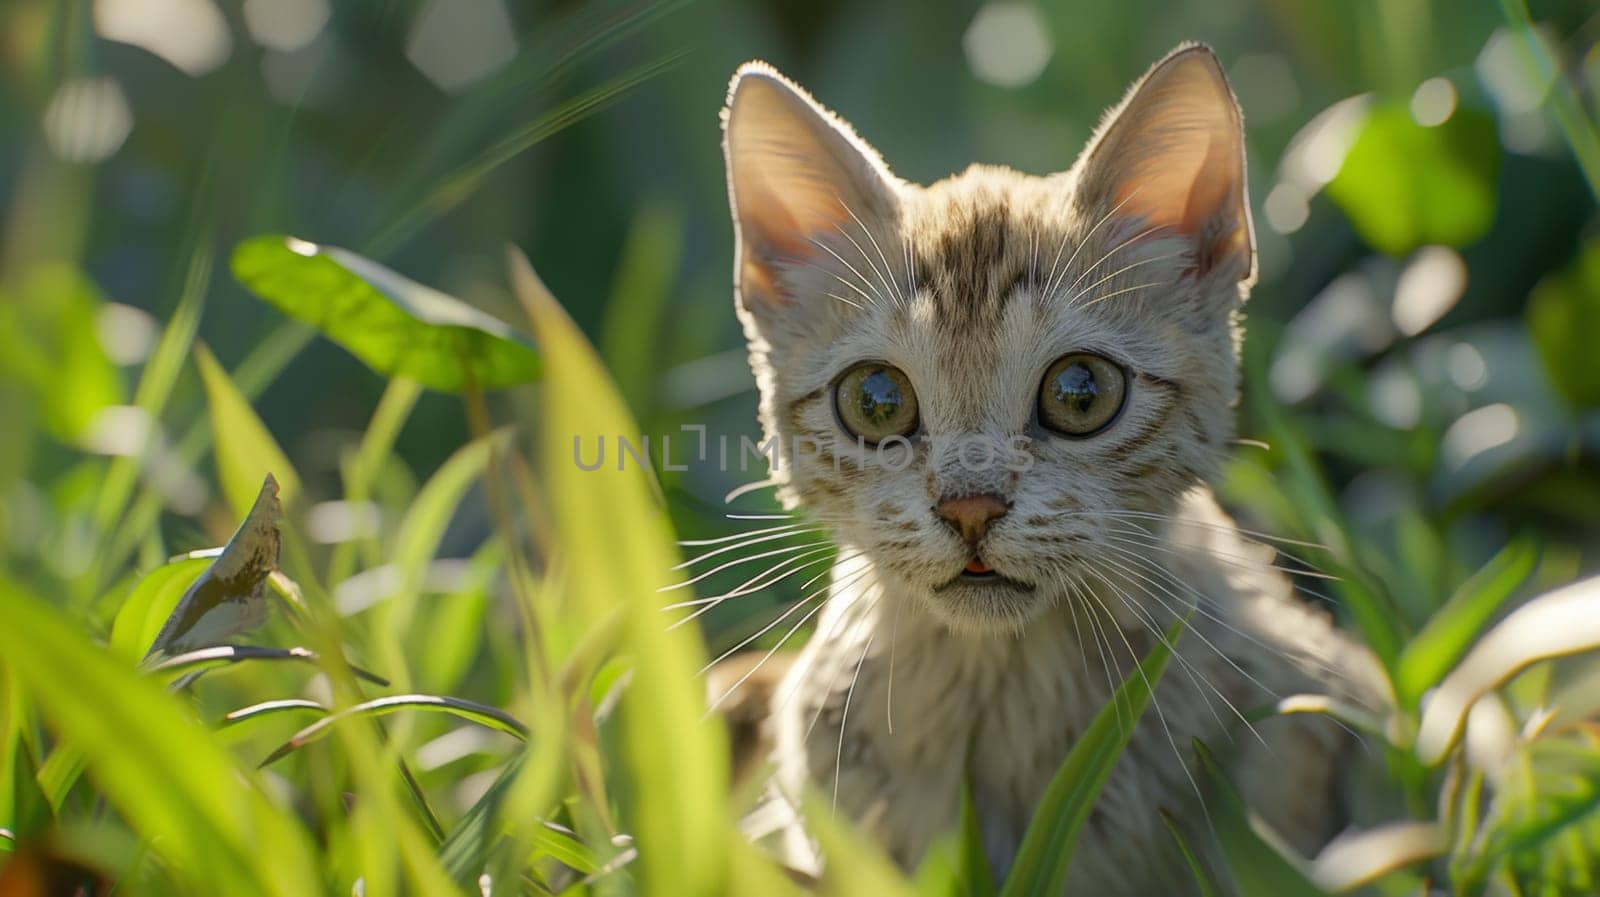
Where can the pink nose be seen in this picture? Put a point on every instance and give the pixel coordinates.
(971, 515)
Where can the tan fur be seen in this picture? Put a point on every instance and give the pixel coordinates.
(972, 286)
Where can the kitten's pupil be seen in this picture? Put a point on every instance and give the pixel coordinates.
(880, 397)
(1075, 386)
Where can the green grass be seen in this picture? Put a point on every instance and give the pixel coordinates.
(470, 685)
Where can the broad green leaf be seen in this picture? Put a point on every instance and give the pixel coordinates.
(1563, 317)
(1040, 867)
(1448, 634)
(471, 711)
(398, 327)
(1405, 185)
(1259, 870)
(246, 452)
(1565, 621)
(616, 551)
(562, 844)
(161, 771)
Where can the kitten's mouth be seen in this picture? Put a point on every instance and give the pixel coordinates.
(978, 573)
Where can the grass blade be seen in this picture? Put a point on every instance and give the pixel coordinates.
(1449, 633)
(1259, 869)
(1040, 869)
(164, 774)
(246, 452)
(1565, 621)
(471, 711)
(1197, 869)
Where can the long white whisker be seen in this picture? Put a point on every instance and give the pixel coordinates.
(754, 540)
(894, 637)
(1079, 294)
(1154, 701)
(762, 580)
(1155, 628)
(844, 720)
(1139, 536)
(1050, 282)
(1106, 255)
(829, 250)
(884, 274)
(781, 642)
(685, 543)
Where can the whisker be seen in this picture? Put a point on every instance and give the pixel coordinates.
(829, 250)
(1136, 536)
(1154, 701)
(767, 536)
(685, 543)
(751, 585)
(1218, 527)
(844, 720)
(1079, 294)
(894, 637)
(775, 648)
(787, 549)
(1184, 663)
(1122, 292)
(1107, 255)
(1050, 282)
(899, 297)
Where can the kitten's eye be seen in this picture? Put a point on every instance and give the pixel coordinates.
(876, 401)
(1081, 395)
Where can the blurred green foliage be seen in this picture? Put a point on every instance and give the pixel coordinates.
(1419, 370)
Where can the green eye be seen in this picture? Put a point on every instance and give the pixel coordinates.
(1081, 394)
(875, 401)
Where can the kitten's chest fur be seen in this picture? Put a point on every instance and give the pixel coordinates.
(902, 708)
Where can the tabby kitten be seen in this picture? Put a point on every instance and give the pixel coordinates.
(1004, 395)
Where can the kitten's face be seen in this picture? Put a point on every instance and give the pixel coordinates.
(1043, 363)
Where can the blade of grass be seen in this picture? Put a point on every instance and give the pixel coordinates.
(1259, 869)
(683, 838)
(203, 659)
(1449, 633)
(163, 773)
(1040, 867)
(471, 711)
(246, 451)
(1565, 621)
(1197, 869)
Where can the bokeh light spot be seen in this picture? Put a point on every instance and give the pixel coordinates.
(1008, 44)
(457, 42)
(191, 35)
(87, 120)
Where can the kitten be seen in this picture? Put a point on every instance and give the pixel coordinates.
(1004, 395)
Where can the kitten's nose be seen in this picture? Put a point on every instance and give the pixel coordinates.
(971, 515)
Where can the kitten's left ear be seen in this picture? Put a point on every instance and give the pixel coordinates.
(1173, 153)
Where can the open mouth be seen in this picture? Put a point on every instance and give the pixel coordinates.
(978, 573)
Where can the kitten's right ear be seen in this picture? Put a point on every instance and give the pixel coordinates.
(797, 174)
